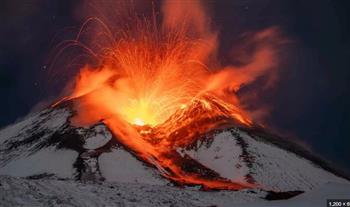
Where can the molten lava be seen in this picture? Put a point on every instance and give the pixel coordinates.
(157, 88)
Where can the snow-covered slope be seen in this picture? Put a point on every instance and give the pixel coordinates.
(48, 192)
(33, 146)
(236, 155)
(46, 146)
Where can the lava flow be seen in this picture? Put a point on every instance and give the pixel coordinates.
(157, 86)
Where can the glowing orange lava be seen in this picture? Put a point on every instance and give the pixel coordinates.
(157, 86)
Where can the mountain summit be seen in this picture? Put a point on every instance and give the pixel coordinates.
(228, 156)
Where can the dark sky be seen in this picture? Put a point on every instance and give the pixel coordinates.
(310, 102)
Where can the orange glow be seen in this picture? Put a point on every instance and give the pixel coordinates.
(157, 87)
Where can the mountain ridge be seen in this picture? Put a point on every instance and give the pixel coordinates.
(46, 144)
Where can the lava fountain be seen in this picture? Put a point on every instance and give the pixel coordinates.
(158, 85)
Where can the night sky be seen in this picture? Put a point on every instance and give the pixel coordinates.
(310, 102)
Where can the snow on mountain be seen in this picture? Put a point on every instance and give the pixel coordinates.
(223, 155)
(120, 166)
(47, 160)
(46, 144)
(236, 155)
(87, 166)
(98, 137)
(284, 170)
(49, 192)
(25, 150)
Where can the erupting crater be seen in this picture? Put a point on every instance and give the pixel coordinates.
(158, 86)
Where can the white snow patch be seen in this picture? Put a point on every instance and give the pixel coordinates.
(48, 160)
(14, 129)
(52, 121)
(282, 170)
(57, 119)
(99, 139)
(121, 166)
(223, 156)
(44, 192)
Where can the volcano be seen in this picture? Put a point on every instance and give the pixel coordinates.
(256, 165)
(152, 115)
